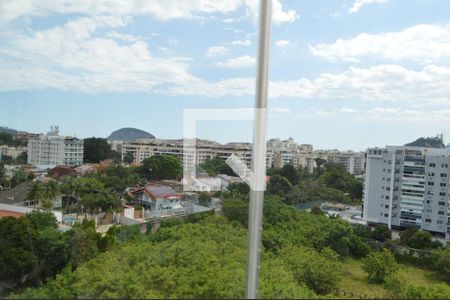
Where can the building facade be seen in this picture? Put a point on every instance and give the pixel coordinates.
(408, 186)
(51, 149)
(205, 150)
(351, 160)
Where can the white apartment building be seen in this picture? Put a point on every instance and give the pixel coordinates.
(205, 150)
(51, 149)
(408, 186)
(352, 161)
(11, 151)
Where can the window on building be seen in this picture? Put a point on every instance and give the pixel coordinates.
(441, 203)
(428, 220)
(441, 213)
(440, 222)
(444, 165)
(443, 174)
(386, 215)
(431, 183)
(443, 184)
(432, 165)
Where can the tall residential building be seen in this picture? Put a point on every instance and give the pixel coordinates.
(52, 149)
(408, 186)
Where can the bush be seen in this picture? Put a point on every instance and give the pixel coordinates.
(442, 263)
(379, 266)
(319, 271)
(381, 233)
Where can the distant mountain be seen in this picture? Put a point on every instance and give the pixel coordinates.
(129, 134)
(429, 142)
(7, 130)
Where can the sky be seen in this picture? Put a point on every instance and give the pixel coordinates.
(343, 74)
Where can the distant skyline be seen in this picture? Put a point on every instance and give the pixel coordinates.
(344, 74)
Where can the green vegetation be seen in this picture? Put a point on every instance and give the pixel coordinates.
(217, 166)
(379, 266)
(98, 149)
(304, 255)
(9, 140)
(331, 182)
(161, 167)
(430, 142)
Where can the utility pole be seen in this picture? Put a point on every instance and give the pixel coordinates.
(258, 152)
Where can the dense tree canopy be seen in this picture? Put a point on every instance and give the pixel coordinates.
(217, 166)
(96, 150)
(159, 167)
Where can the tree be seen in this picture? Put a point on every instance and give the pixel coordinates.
(22, 158)
(319, 271)
(36, 191)
(96, 150)
(94, 202)
(42, 219)
(379, 265)
(442, 263)
(239, 190)
(84, 241)
(51, 191)
(420, 240)
(128, 158)
(319, 163)
(204, 199)
(291, 173)
(279, 185)
(216, 166)
(203, 260)
(236, 210)
(17, 249)
(159, 167)
(381, 233)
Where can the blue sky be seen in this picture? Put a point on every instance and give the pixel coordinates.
(344, 74)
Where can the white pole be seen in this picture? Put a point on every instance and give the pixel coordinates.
(258, 152)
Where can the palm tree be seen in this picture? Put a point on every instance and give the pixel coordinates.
(36, 192)
(51, 191)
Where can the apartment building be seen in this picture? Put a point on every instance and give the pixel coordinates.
(352, 161)
(11, 151)
(205, 150)
(408, 186)
(51, 149)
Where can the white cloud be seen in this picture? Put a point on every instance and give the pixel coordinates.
(173, 42)
(282, 43)
(216, 51)
(405, 115)
(161, 10)
(347, 110)
(73, 57)
(380, 83)
(278, 14)
(358, 4)
(280, 110)
(241, 43)
(422, 43)
(239, 62)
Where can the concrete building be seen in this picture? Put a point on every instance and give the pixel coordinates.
(205, 150)
(408, 186)
(13, 152)
(51, 149)
(352, 161)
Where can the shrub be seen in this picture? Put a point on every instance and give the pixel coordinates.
(379, 265)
